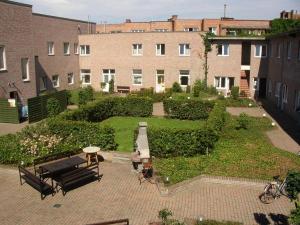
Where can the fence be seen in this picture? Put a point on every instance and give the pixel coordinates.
(8, 114)
(37, 106)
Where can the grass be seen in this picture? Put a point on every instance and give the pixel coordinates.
(125, 126)
(202, 95)
(238, 153)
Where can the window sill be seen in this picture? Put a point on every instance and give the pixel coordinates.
(26, 81)
(223, 55)
(56, 86)
(70, 84)
(137, 55)
(137, 84)
(66, 54)
(3, 70)
(184, 55)
(85, 55)
(161, 55)
(263, 57)
(51, 54)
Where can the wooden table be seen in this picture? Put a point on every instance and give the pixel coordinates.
(91, 151)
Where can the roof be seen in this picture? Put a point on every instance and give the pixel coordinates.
(246, 26)
(62, 18)
(237, 38)
(16, 3)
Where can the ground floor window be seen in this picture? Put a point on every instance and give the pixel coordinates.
(85, 76)
(297, 100)
(220, 82)
(70, 78)
(43, 83)
(184, 77)
(285, 93)
(160, 76)
(108, 75)
(256, 84)
(137, 77)
(277, 89)
(55, 80)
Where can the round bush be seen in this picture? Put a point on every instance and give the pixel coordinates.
(53, 107)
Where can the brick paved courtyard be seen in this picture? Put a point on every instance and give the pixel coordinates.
(118, 195)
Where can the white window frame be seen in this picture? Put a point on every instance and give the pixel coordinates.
(213, 30)
(76, 48)
(285, 93)
(51, 51)
(137, 31)
(68, 48)
(255, 83)
(191, 29)
(161, 30)
(72, 78)
(43, 80)
(83, 50)
(137, 49)
(158, 49)
(26, 70)
(260, 46)
(181, 74)
(289, 50)
(4, 58)
(111, 73)
(220, 82)
(53, 80)
(83, 74)
(134, 75)
(186, 49)
(223, 49)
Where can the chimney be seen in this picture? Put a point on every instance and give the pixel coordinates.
(128, 21)
(174, 17)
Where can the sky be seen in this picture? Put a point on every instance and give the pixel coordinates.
(116, 11)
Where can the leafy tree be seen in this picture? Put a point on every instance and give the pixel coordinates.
(207, 48)
(293, 190)
(283, 25)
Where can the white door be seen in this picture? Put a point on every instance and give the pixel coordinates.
(108, 75)
(160, 81)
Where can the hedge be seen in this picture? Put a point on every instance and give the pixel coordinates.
(102, 109)
(217, 117)
(150, 93)
(187, 109)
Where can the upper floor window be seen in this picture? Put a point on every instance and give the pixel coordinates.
(220, 82)
(66, 48)
(191, 29)
(260, 51)
(289, 49)
(25, 69)
(137, 77)
(137, 49)
(84, 49)
(213, 30)
(160, 49)
(161, 30)
(184, 49)
(50, 48)
(76, 50)
(278, 52)
(137, 31)
(55, 80)
(223, 49)
(2, 58)
(85, 76)
(70, 78)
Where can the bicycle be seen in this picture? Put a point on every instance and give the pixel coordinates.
(273, 190)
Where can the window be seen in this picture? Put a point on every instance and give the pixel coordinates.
(85, 76)
(2, 58)
(161, 30)
(66, 48)
(55, 81)
(184, 49)
(231, 33)
(160, 74)
(260, 51)
(108, 75)
(270, 88)
(84, 49)
(191, 29)
(137, 77)
(220, 82)
(137, 49)
(70, 78)
(285, 93)
(223, 50)
(289, 49)
(277, 90)
(213, 30)
(137, 31)
(25, 69)
(278, 50)
(184, 77)
(256, 84)
(51, 48)
(160, 49)
(297, 101)
(43, 83)
(76, 50)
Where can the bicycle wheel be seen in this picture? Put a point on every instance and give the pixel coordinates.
(267, 196)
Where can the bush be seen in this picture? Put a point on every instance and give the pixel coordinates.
(85, 95)
(176, 88)
(149, 92)
(243, 121)
(187, 109)
(293, 184)
(188, 89)
(53, 107)
(111, 86)
(235, 91)
(164, 143)
(217, 117)
(295, 215)
(100, 110)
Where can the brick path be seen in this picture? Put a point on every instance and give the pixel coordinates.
(9, 128)
(119, 195)
(158, 109)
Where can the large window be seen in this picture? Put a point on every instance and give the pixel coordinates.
(160, 49)
(220, 82)
(289, 49)
(137, 49)
(184, 49)
(50, 48)
(85, 76)
(2, 58)
(55, 81)
(184, 77)
(70, 78)
(108, 75)
(213, 30)
(76, 49)
(260, 51)
(66, 48)
(137, 77)
(25, 69)
(84, 49)
(223, 50)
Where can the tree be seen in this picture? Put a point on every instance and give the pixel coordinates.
(207, 48)
(283, 25)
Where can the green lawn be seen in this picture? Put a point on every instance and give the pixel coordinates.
(238, 153)
(125, 126)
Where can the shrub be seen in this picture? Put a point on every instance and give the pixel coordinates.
(111, 86)
(243, 121)
(293, 184)
(149, 92)
(187, 109)
(235, 91)
(164, 143)
(295, 215)
(85, 95)
(176, 88)
(188, 89)
(53, 107)
(217, 117)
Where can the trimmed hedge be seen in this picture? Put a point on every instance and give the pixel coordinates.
(103, 109)
(188, 109)
(150, 93)
(217, 117)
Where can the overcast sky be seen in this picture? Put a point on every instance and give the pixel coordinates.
(115, 11)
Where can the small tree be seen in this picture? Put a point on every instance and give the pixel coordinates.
(207, 48)
(243, 121)
(53, 107)
(111, 86)
(176, 88)
(85, 95)
(235, 91)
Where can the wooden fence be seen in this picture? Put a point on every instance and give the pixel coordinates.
(8, 114)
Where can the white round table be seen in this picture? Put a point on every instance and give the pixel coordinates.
(91, 151)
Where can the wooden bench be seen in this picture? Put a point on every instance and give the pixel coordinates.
(123, 89)
(35, 182)
(76, 176)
